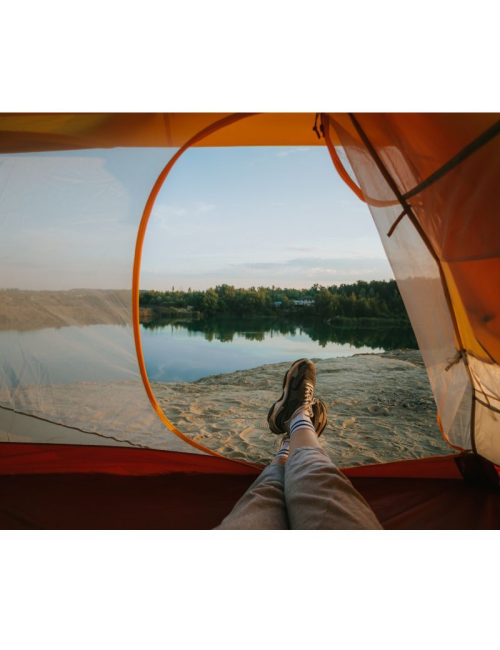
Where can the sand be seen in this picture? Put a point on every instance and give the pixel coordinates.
(33, 310)
(380, 408)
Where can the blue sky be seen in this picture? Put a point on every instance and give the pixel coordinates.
(243, 216)
(259, 216)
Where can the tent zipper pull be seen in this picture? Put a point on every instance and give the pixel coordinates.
(321, 127)
(455, 360)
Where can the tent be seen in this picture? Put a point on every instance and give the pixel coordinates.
(97, 451)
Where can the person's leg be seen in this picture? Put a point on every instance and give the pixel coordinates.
(262, 507)
(317, 494)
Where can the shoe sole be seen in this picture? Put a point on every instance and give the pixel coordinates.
(277, 406)
(322, 425)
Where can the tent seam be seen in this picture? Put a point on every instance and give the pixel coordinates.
(68, 426)
(456, 160)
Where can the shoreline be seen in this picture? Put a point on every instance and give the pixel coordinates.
(151, 315)
(380, 408)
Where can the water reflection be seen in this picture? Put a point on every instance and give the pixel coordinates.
(375, 336)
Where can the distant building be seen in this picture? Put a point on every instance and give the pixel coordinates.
(296, 303)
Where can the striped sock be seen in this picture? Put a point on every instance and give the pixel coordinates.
(301, 421)
(284, 448)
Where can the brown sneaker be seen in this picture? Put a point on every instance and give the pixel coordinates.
(298, 393)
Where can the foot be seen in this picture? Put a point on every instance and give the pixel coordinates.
(282, 454)
(297, 395)
(319, 416)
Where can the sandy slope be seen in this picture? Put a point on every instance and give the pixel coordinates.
(33, 310)
(380, 409)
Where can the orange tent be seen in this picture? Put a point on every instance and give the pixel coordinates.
(429, 181)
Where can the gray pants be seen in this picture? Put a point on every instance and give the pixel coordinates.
(309, 492)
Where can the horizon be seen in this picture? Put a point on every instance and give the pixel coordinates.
(257, 287)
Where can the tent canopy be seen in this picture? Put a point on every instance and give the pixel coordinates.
(441, 135)
(58, 132)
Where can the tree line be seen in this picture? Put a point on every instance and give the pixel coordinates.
(361, 299)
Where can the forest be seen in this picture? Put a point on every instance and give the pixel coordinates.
(375, 299)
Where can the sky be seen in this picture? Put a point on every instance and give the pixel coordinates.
(247, 216)
(259, 216)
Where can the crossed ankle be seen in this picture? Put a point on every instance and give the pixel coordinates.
(282, 455)
(301, 421)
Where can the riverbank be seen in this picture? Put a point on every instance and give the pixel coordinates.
(380, 409)
(159, 315)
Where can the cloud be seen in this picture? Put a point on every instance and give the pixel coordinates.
(315, 264)
(204, 207)
(306, 271)
(288, 152)
(166, 213)
(296, 273)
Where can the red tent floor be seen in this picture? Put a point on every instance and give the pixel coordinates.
(78, 487)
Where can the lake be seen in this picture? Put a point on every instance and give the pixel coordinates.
(181, 350)
(189, 350)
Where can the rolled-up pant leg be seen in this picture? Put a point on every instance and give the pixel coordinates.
(262, 507)
(319, 496)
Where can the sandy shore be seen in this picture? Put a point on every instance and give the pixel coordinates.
(380, 408)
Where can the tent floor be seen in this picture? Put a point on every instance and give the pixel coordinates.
(200, 501)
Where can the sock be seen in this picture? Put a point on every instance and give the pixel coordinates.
(284, 449)
(301, 421)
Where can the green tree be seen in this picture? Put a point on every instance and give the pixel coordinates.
(209, 302)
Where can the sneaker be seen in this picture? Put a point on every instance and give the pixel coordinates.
(284, 441)
(319, 420)
(298, 393)
(319, 417)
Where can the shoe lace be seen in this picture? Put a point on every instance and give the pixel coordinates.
(308, 392)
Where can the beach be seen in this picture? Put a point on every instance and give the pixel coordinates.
(380, 408)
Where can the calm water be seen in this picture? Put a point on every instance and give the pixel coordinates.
(178, 351)
(186, 351)
(64, 355)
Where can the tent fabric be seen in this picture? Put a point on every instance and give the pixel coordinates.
(74, 216)
(444, 251)
(200, 502)
(79, 487)
(33, 459)
(53, 132)
(54, 486)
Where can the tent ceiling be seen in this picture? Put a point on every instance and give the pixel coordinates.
(58, 131)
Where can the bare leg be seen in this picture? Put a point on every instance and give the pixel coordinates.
(303, 438)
